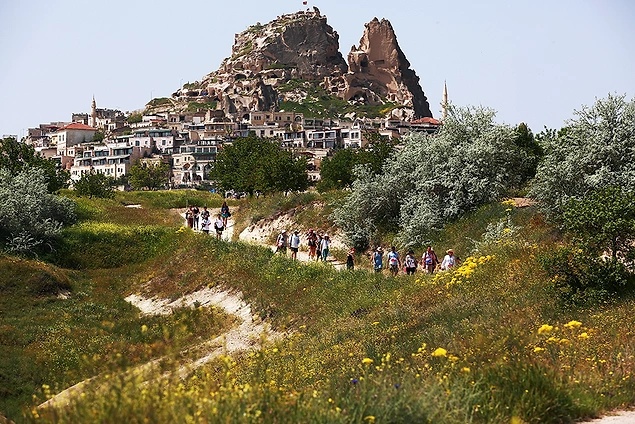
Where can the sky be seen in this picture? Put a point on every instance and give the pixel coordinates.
(532, 61)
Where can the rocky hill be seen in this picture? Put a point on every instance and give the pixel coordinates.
(295, 59)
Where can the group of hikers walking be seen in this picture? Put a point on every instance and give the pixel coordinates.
(319, 245)
(202, 220)
(429, 261)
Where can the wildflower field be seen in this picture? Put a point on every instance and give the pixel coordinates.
(490, 342)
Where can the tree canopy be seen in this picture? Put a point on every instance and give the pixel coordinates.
(338, 172)
(151, 176)
(596, 149)
(435, 178)
(95, 184)
(252, 164)
(16, 156)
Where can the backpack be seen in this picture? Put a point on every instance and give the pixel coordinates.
(411, 262)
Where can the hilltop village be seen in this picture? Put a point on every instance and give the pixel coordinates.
(285, 81)
(105, 142)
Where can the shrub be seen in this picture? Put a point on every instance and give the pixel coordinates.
(436, 178)
(597, 149)
(30, 217)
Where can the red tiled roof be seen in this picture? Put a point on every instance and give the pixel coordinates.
(426, 120)
(79, 126)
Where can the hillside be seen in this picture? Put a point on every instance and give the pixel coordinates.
(488, 342)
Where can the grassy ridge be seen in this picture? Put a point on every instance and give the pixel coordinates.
(488, 342)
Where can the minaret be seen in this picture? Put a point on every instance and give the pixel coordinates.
(444, 104)
(93, 113)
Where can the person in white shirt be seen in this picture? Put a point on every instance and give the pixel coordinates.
(294, 245)
(449, 260)
(219, 226)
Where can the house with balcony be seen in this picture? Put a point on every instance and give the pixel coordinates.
(323, 139)
(193, 162)
(113, 158)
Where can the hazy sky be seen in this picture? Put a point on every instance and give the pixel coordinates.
(532, 61)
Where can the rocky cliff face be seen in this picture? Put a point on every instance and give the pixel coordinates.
(267, 59)
(378, 66)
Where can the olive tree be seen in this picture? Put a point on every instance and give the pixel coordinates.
(597, 149)
(435, 178)
(30, 217)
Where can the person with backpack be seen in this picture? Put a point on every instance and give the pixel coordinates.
(205, 223)
(376, 259)
(429, 260)
(410, 263)
(394, 261)
(281, 242)
(311, 238)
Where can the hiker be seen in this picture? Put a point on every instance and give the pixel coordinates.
(312, 243)
(449, 260)
(189, 217)
(218, 226)
(205, 213)
(324, 247)
(376, 259)
(350, 259)
(195, 214)
(429, 260)
(318, 245)
(294, 245)
(394, 261)
(410, 263)
(281, 242)
(224, 211)
(205, 223)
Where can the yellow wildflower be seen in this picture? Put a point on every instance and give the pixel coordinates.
(367, 361)
(439, 352)
(538, 349)
(583, 336)
(369, 418)
(545, 328)
(573, 324)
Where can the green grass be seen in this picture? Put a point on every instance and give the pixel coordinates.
(487, 343)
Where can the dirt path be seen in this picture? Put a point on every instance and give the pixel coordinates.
(251, 333)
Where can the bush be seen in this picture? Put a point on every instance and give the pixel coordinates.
(597, 149)
(30, 217)
(435, 179)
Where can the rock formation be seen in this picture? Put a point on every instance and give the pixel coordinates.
(379, 67)
(267, 59)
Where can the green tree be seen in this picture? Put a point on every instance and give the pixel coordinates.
(376, 152)
(16, 156)
(99, 136)
(134, 118)
(94, 184)
(597, 149)
(253, 164)
(337, 172)
(434, 179)
(30, 217)
(151, 176)
(603, 221)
